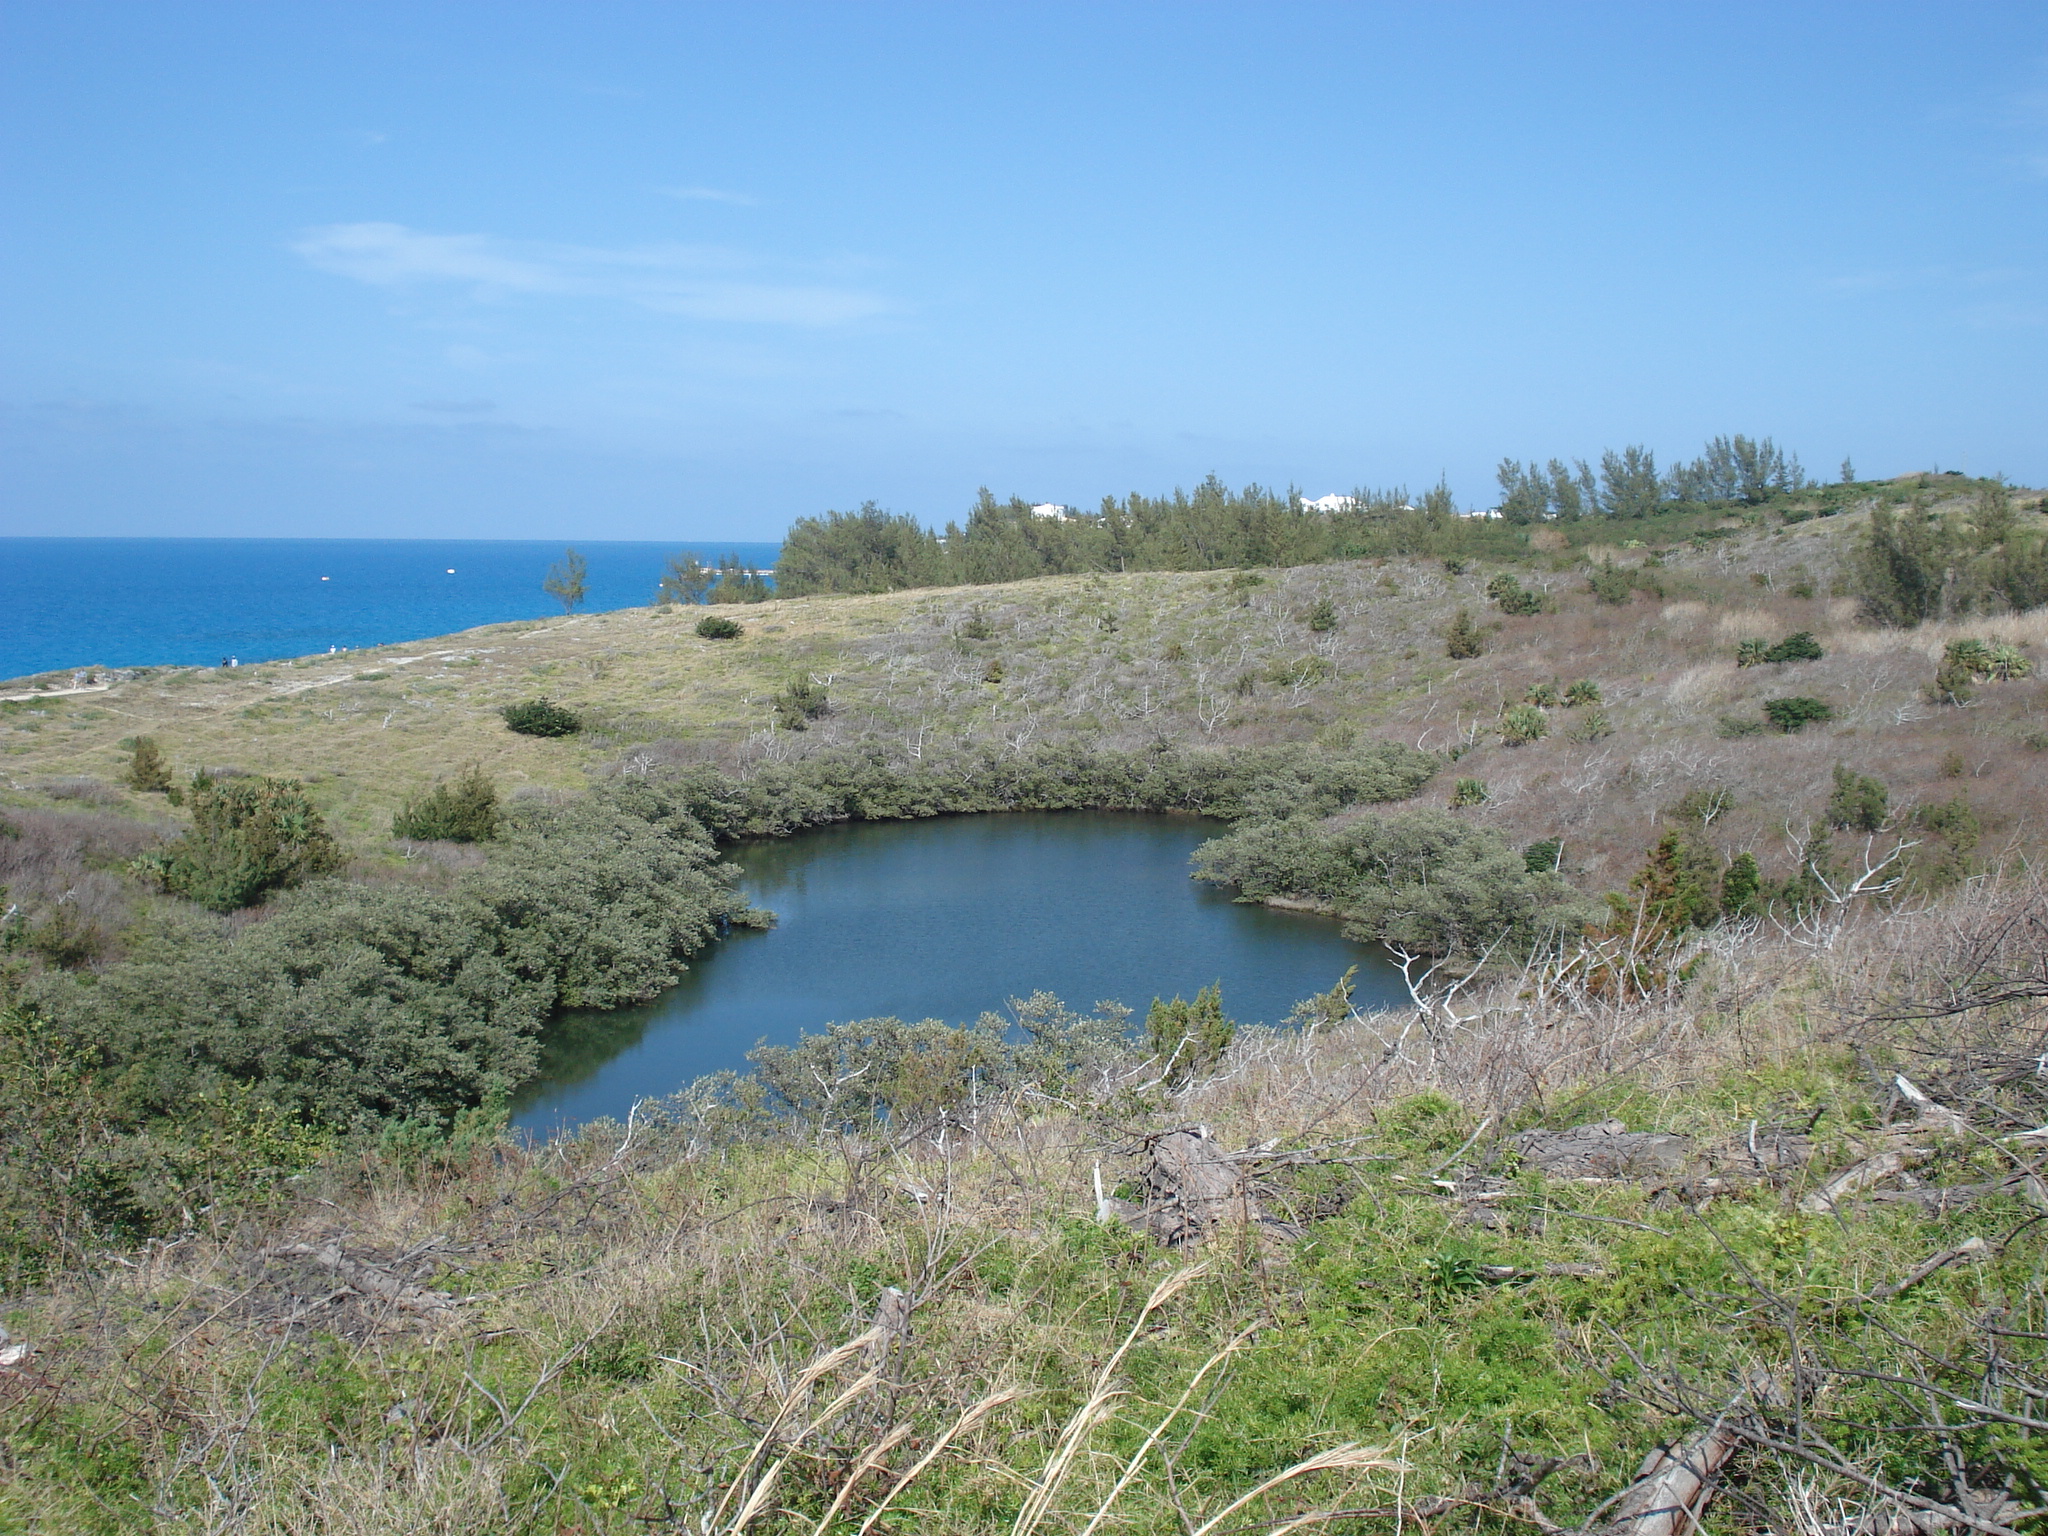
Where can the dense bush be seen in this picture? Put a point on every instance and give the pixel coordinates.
(1796, 713)
(1798, 647)
(1913, 566)
(1795, 647)
(352, 1004)
(802, 700)
(1464, 639)
(1186, 1039)
(1610, 583)
(1509, 596)
(1249, 784)
(465, 811)
(147, 770)
(909, 1074)
(715, 626)
(1521, 724)
(249, 837)
(541, 717)
(1422, 879)
(1859, 803)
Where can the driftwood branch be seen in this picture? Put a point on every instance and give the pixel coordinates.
(1674, 1482)
(368, 1279)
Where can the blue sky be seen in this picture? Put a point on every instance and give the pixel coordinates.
(652, 271)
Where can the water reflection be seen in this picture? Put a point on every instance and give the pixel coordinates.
(946, 919)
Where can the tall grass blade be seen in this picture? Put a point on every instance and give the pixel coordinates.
(1137, 1461)
(967, 1420)
(1341, 1458)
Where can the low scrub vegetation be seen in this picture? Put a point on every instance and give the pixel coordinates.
(541, 717)
(464, 811)
(249, 837)
(1485, 1254)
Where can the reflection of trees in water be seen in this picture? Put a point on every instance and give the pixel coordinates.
(947, 918)
(577, 1045)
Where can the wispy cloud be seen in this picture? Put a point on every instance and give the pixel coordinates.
(709, 195)
(696, 282)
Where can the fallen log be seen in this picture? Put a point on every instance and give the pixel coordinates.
(1605, 1149)
(367, 1279)
(1929, 1119)
(1674, 1483)
(1191, 1186)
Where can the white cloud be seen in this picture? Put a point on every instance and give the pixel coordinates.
(709, 195)
(697, 282)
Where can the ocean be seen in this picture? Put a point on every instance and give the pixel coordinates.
(68, 603)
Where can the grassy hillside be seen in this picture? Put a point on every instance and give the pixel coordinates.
(704, 1322)
(916, 1278)
(1209, 658)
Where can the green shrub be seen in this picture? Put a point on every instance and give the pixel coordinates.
(906, 1074)
(1965, 663)
(1796, 647)
(1677, 888)
(1543, 695)
(1593, 726)
(1796, 713)
(1521, 724)
(1509, 596)
(249, 837)
(1741, 887)
(1955, 821)
(1464, 639)
(1859, 803)
(976, 626)
(1752, 653)
(1544, 857)
(352, 1004)
(1188, 1038)
(1322, 618)
(1904, 569)
(1425, 879)
(463, 812)
(715, 626)
(1584, 691)
(2007, 664)
(802, 700)
(1735, 727)
(1468, 792)
(147, 770)
(541, 717)
(1610, 583)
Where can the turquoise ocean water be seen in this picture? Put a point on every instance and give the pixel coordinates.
(155, 602)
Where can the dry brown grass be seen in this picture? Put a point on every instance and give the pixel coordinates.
(1130, 661)
(645, 1306)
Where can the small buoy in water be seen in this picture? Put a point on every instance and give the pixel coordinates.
(451, 570)
(323, 578)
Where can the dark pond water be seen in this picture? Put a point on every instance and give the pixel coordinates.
(947, 919)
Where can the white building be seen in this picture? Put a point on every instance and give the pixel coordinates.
(1330, 504)
(1051, 509)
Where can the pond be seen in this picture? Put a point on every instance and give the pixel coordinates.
(947, 919)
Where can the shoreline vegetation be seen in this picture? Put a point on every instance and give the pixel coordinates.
(1709, 851)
